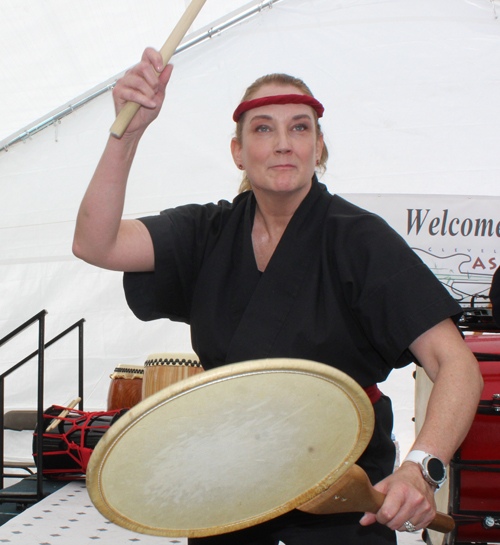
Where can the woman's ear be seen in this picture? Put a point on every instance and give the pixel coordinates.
(236, 152)
(319, 148)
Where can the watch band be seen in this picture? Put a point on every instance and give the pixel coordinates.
(416, 456)
(432, 468)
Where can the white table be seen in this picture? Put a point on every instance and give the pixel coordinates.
(67, 517)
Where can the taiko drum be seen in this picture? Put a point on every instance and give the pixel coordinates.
(164, 369)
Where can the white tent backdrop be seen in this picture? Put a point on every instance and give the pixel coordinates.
(55, 50)
(411, 93)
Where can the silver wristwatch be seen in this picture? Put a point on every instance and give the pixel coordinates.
(432, 468)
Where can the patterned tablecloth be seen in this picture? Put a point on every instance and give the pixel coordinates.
(67, 517)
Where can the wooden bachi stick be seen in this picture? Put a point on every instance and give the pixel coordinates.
(130, 109)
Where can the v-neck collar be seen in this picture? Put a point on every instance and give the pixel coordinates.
(276, 290)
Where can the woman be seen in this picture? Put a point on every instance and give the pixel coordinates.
(287, 270)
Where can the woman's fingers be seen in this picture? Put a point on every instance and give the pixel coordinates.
(406, 505)
(134, 88)
(408, 499)
(144, 84)
(153, 57)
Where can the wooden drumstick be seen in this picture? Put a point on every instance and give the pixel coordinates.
(130, 109)
(62, 414)
(354, 493)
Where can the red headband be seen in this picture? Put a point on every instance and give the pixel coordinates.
(278, 99)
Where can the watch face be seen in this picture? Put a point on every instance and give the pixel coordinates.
(436, 469)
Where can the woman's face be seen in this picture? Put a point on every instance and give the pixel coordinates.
(279, 146)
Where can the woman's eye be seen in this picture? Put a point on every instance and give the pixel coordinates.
(262, 128)
(301, 127)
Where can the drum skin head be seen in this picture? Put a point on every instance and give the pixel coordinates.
(230, 448)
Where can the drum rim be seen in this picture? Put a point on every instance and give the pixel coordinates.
(121, 366)
(172, 359)
(349, 386)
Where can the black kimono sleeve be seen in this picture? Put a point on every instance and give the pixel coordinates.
(182, 238)
(392, 294)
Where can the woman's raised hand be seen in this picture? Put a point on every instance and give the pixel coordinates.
(144, 84)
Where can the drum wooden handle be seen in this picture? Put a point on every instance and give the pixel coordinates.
(442, 523)
(130, 109)
(353, 493)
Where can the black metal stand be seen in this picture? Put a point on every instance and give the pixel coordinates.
(30, 497)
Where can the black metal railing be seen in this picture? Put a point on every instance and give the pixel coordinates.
(40, 352)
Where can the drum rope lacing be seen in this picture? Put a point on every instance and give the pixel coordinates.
(135, 370)
(127, 373)
(77, 451)
(173, 361)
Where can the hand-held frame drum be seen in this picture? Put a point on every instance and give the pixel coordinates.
(239, 445)
(130, 109)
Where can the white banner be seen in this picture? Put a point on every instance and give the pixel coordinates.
(458, 237)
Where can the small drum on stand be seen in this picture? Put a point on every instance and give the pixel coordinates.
(162, 370)
(125, 389)
(68, 446)
(471, 491)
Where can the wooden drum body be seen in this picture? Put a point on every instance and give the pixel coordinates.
(163, 370)
(471, 493)
(125, 389)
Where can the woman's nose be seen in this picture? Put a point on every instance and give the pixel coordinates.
(282, 142)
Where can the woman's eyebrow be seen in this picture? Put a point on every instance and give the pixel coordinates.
(261, 116)
(270, 117)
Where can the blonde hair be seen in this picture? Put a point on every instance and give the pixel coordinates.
(284, 80)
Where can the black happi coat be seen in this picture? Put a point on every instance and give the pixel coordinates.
(342, 288)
